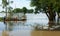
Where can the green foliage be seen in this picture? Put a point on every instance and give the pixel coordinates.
(54, 4)
(1, 18)
(10, 9)
(24, 9)
(36, 10)
(30, 11)
(59, 10)
(17, 10)
(49, 7)
(4, 3)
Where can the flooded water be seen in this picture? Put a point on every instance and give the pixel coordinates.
(25, 28)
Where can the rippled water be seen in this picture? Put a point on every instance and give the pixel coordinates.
(32, 19)
(24, 28)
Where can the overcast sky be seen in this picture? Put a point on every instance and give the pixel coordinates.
(19, 4)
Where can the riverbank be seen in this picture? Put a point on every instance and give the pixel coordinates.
(1, 19)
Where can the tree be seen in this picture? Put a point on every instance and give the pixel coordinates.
(24, 9)
(58, 9)
(30, 11)
(5, 3)
(17, 10)
(50, 7)
(10, 9)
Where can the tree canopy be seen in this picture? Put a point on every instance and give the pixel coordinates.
(44, 3)
(30, 11)
(4, 3)
(50, 7)
(23, 10)
(17, 10)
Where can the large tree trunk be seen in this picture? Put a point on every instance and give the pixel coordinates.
(58, 19)
(51, 20)
(51, 16)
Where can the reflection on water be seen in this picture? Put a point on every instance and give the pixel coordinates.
(12, 25)
(26, 28)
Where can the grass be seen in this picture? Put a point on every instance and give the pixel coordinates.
(1, 19)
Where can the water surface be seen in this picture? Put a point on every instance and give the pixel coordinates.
(25, 28)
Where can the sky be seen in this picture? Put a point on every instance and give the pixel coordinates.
(19, 4)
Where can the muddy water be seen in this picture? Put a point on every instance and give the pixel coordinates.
(18, 28)
(45, 33)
